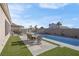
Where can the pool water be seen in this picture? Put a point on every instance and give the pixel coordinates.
(71, 41)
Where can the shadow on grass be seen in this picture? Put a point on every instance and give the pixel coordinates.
(17, 43)
(21, 43)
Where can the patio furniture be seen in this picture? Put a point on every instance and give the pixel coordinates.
(34, 38)
(39, 39)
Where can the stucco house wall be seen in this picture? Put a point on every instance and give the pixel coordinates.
(5, 26)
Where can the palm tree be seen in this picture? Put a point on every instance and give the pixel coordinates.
(30, 28)
(41, 27)
(36, 28)
(59, 24)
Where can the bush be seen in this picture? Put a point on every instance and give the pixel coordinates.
(17, 32)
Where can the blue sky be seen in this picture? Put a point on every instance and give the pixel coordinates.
(43, 14)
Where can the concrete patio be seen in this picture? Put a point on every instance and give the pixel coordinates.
(37, 49)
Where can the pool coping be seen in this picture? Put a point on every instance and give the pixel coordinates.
(63, 44)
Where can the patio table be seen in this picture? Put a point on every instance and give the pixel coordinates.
(34, 36)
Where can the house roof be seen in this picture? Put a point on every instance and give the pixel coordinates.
(13, 24)
(5, 8)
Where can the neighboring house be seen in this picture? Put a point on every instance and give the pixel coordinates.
(16, 29)
(24, 31)
(52, 26)
(41, 30)
(5, 24)
(55, 26)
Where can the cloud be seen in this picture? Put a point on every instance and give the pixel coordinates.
(46, 20)
(69, 25)
(52, 5)
(52, 19)
(71, 22)
(27, 16)
(20, 16)
(28, 6)
(17, 10)
(15, 16)
(75, 19)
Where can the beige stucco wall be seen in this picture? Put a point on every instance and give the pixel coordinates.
(65, 32)
(3, 38)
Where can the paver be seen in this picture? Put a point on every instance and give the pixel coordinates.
(38, 49)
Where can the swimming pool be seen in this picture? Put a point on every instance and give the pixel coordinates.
(71, 41)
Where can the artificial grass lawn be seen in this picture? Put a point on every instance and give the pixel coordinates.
(64, 51)
(15, 47)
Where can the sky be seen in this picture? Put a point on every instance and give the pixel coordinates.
(43, 14)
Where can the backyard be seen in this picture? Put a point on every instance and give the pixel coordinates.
(16, 47)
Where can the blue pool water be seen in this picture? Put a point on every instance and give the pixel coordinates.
(71, 41)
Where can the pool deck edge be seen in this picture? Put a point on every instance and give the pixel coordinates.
(63, 44)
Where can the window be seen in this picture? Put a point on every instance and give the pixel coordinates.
(7, 27)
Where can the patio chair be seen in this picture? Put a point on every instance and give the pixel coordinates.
(39, 38)
(30, 38)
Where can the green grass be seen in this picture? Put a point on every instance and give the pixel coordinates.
(15, 47)
(64, 51)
